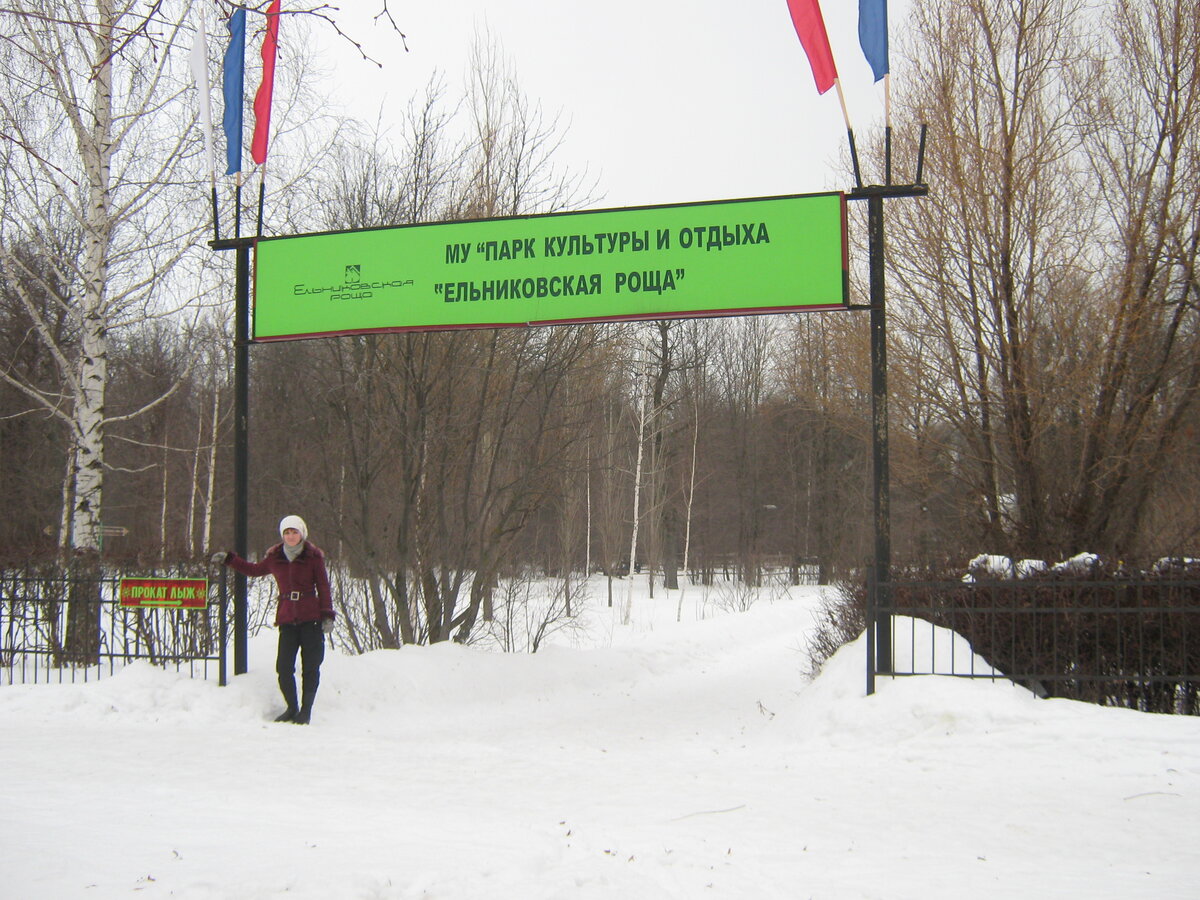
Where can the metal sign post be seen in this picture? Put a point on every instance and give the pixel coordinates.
(703, 259)
(880, 581)
(241, 435)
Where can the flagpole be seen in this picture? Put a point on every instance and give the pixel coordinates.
(215, 213)
(837, 83)
(232, 90)
(237, 207)
(887, 127)
(887, 99)
(198, 63)
(262, 191)
(921, 155)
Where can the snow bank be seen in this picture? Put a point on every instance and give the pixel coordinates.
(663, 760)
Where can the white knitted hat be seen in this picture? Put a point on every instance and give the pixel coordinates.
(293, 522)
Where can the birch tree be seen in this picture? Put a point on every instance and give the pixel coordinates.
(100, 141)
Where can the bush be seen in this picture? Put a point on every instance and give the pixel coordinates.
(841, 618)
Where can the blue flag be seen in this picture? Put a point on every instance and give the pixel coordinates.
(873, 34)
(232, 81)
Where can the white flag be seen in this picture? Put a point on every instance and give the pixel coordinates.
(198, 62)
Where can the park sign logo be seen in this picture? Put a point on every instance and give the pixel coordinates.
(353, 287)
(732, 257)
(171, 593)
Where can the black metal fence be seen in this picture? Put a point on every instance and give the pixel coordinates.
(1129, 643)
(68, 625)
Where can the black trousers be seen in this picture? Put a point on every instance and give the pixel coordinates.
(309, 640)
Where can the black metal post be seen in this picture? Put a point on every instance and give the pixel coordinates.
(879, 432)
(854, 158)
(871, 618)
(241, 432)
(887, 155)
(921, 156)
(262, 193)
(879, 643)
(216, 214)
(223, 625)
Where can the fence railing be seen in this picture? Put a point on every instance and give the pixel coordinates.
(1129, 643)
(67, 625)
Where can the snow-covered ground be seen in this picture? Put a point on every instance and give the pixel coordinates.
(650, 760)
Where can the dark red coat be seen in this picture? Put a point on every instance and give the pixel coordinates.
(303, 583)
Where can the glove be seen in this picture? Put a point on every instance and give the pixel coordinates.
(218, 558)
(327, 626)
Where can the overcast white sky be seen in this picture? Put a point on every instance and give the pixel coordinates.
(666, 101)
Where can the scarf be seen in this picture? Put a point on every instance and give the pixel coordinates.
(292, 552)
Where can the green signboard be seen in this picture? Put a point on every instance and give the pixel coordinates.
(730, 257)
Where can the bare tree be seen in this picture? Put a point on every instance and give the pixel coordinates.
(511, 164)
(449, 444)
(101, 144)
(1139, 112)
(31, 479)
(743, 358)
(818, 427)
(1046, 289)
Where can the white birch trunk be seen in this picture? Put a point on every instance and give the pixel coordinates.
(162, 513)
(637, 491)
(189, 544)
(64, 516)
(587, 538)
(95, 148)
(687, 525)
(206, 541)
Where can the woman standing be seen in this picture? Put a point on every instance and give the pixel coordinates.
(304, 614)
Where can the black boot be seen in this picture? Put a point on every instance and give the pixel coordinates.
(287, 687)
(304, 716)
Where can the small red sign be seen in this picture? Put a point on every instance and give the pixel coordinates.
(173, 593)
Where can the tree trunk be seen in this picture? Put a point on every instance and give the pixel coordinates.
(92, 374)
(637, 492)
(209, 492)
(83, 611)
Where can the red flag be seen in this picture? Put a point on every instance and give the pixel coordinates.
(262, 100)
(810, 26)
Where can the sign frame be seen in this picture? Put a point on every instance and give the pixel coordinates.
(753, 256)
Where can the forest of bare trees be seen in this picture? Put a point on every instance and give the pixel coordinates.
(1045, 355)
(1047, 292)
